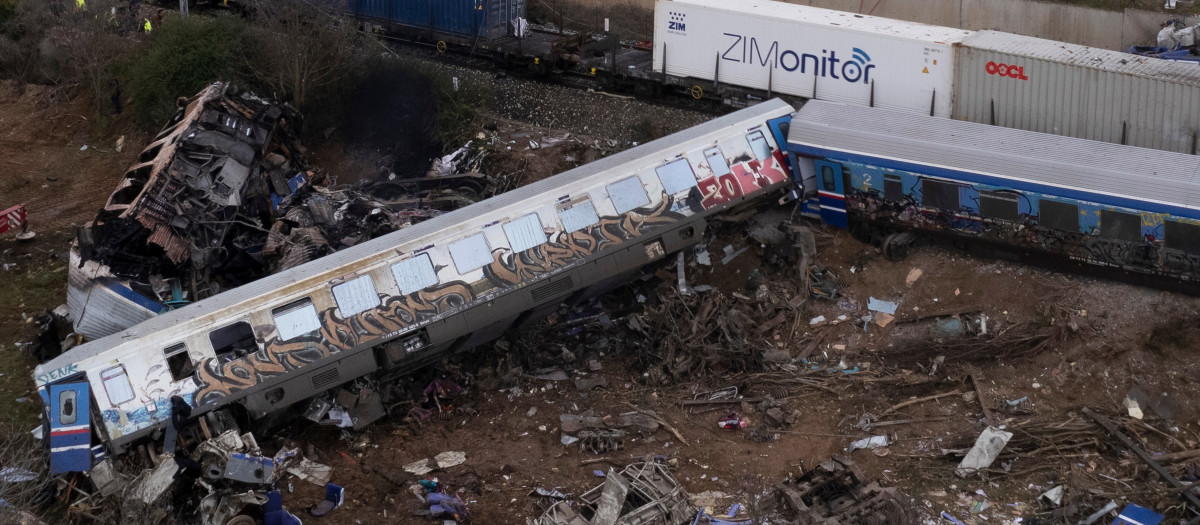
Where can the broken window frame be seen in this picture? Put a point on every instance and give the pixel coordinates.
(1120, 226)
(943, 192)
(627, 194)
(68, 407)
(467, 255)
(755, 139)
(1059, 211)
(296, 319)
(715, 153)
(109, 379)
(1009, 200)
(893, 187)
(230, 349)
(676, 176)
(522, 232)
(578, 215)
(414, 274)
(171, 355)
(355, 296)
(1181, 236)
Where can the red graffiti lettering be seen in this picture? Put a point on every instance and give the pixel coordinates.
(1006, 70)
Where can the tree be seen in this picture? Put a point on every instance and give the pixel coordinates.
(300, 49)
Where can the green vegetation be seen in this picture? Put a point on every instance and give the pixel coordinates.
(179, 59)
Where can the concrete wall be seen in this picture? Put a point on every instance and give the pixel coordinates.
(1067, 23)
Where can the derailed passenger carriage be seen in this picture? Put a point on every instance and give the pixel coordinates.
(409, 298)
(1016, 194)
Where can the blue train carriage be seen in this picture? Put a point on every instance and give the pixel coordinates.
(387, 306)
(1017, 194)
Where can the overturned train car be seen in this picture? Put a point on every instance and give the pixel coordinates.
(408, 298)
(1121, 211)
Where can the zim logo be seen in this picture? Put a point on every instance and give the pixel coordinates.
(1005, 70)
(677, 23)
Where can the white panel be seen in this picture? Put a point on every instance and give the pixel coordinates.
(356, 296)
(524, 233)
(808, 52)
(758, 144)
(116, 384)
(627, 194)
(716, 161)
(414, 274)
(296, 320)
(470, 253)
(579, 216)
(676, 176)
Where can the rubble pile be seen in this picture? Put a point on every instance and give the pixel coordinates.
(698, 335)
(225, 195)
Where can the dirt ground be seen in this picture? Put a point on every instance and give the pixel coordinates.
(1110, 337)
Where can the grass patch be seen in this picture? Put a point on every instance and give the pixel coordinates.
(33, 283)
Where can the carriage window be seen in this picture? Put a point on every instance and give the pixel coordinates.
(356, 296)
(296, 319)
(998, 205)
(233, 341)
(893, 189)
(1181, 236)
(716, 161)
(116, 385)
(758, 144)
(579, 216)
(1120, 226)
(938, 194)
(827, 181)
(525, 233)
(676, 176)
(179, 362)
(471, 253)
(68, 412)
(1058, 215)
(628, 194)
(414, 274)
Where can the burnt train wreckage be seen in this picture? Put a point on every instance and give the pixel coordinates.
(194, 207)
(397, 302)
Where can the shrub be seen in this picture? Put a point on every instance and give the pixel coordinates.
(179, 59)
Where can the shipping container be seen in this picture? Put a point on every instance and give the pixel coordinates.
(1078, 91)
(484, 19)
(808, 52)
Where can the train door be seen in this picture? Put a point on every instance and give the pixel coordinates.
(779, 130)
(70, 430)
(831, 193)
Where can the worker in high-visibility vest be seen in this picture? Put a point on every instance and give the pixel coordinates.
(79, 5)
(146, 25)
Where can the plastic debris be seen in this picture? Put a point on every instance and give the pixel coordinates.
(1095, 516)
(1053, 496)
(1137, 515)
(869, 443)
(887, 307)
(913, 275)
(731, 421)
(989, 444)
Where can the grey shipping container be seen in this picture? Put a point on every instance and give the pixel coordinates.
(484, 19)
(1078, 91)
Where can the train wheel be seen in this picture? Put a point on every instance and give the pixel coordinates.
(697, 92)
(895, 246)
(441, 46)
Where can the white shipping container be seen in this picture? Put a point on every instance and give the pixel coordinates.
(1078, 91)
(808, 52)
